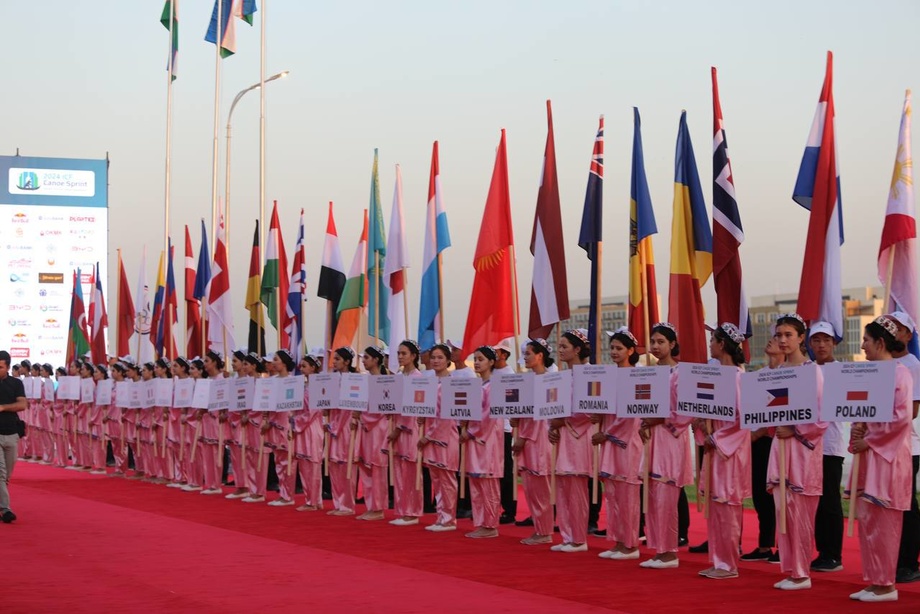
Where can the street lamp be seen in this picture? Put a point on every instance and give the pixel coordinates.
(236, 99)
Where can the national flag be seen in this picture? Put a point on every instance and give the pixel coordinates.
(552, 395)
(170, 316)
(77, 338)
(857, 395)
(591, 234)
(155, 330)
(491, 315)
(354, 294)
(297, 291)
(643, 392)
(727, 234)
(594, 389)
(778, 397)
(170, 20)
(817, 188)
(378, 324)
(513, 395)
(549, 294)
(226, 30)
(142, 325)
(332, 272)
(897, 252)
(220, 304)
(691, 251)
(642, 284)
(98, 321)
(125, 315)
(200, 283)
(460, 399)
(419, 396)
(437, 239)
(254, 298)
(275, 282)
(395, 273)
(245, 10)
(705, 391)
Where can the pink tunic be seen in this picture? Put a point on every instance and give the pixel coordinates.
(486, 446)
(443, 449)
(535, 458)
(308, 431)
(670, 446)
(339, 427)
(373, 440)
(573, 456)
(406, 445)
(731, 462)
(621, 454)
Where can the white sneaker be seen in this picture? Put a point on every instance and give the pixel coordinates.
(237, 495)
(191, 488)
(280, 503)
(557, 547)
(616, 555)
(606, 554)
(574, 548)
(175, 485)
(789, 585)
(97, 472)
(212, 491)
(873, 597)
(858, 594)
(251, 499)
(659, 564)
(437, 528)
(402, 522)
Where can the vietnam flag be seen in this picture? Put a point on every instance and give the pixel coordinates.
(354, 295)
(125, 314)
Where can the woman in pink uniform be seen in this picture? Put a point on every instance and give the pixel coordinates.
(440, 449)
(176, 434)
(729, 448)
(130, 418)
(621, 457)
(485, 463)
(143, 435)
(308, 442)
(342, 428)
(46, 414)
(192, 418)
(407, 499)
(115, 428)
(83, 450)
(279, 436)
(372, 456)
(96, 429)
(256, 478)
(235, 428)
(885, 472)
(671, 465)
(533, 450)
(59, 425)
(210, 452)
(161, 371)
(572, 439)
(804, 446)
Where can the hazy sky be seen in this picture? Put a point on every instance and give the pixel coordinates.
(87, 77)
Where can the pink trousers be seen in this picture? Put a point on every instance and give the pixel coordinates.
(208, 454)
(311, 478)
(343, 489)
(661, 517)
(374, 483)
(486, 497)
(444, 487)
(236, 462)
(287, 480)
(879, 537)
(97, 449)
(407, 499)
(256, 479)
(537, 493)
(623, 512)
(119, 449)
(724, 527)
(193, 469)
(797, 546)
(572, 508)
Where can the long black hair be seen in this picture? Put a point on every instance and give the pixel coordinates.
(667, 331)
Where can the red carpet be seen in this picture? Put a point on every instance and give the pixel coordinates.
(91, 544)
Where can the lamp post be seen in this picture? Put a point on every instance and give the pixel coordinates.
(236, 99)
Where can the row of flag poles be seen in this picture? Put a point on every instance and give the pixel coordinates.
(370, 298)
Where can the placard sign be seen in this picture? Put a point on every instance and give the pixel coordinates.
(644, 392)
(68, 388)
(707, 391)
(183, 391)
(461, 398)
(104, 392)
(28, 385)
(594, 389)
(202, 393)
(219, 397)
(420, 397)
(37, 388)
(511, 395)
(148, 393)
(779, 397)
(289, 393)
(123, 395)
(163, 395)
(384, 394)
(48, 390)
(244, 389)
(263, 394)
(858, 391)
(353, 392)
(136, 395)
(552, 395)
(87, 390)
(324, 391)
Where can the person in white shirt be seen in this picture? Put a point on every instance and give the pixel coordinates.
(509, 482)
(457, 357)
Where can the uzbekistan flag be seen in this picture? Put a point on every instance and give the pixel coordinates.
(256, 341)
(395, 272)
(332, 272)
(691, 251)
(817, 188)
(591, 233)
(98, 321)
(354, 295)
(125, 315)
(642, 284)
(378, 324)
(220, 304)
(170, 20)
(226, 31)
(293, 316)
(437, 239)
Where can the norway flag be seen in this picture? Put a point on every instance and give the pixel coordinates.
(817, 188)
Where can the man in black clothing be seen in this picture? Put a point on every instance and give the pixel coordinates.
(12, 401)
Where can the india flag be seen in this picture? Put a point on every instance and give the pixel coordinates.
(354, 295)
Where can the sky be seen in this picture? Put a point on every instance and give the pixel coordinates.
(86, 78)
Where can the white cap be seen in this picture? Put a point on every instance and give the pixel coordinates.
(454, 344)
(507, 345)
(821, 328)
(904, 320)
(317, 352)
(523, 349)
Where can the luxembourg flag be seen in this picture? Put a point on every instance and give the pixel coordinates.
(437, 239)
(817, 188)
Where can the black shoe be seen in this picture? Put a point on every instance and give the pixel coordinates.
(592, 527)
(506, 520)
(599, 532)
(824, 564)
(527, 522)
(758, 555)
(904, 575)
(463, 514)
(8, 517)
(555, 529)
(701, 549)
(682, 541)
(774, 558)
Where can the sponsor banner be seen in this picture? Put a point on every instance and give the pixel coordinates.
(420, 397)
(858, 391)
(511, 395)
(707, 391)
(324, 391)
(65, 182)
(353, 392)
(644, 392)
(289, 393)
(594, 389)
(552, 395)
(461, 398)
(779, 397)
(384, 394)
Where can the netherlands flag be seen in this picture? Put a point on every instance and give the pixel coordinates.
(817, 188)
(705, 391)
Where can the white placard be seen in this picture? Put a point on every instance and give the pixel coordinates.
(511, 395)
(87, 390)
(69, 388)
(135, 395)
(644, 392)
(27, 387)
(707, 391)
(244, 393)
(104, 392)
(858, 391)
(202, 393)
(594, 389)
(123, 395)
(183, 391)
(219, 397)
(148, 393)
(384, 394)
(552, 395)
(779, 397)
(420, 397)
(353, 392)
(461, 398)
(263, 395)
(48, 391)
(289, 395)
(37, 383)
(324, 391)
(163, 392)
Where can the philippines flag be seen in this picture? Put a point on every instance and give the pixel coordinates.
(591, 234)
(727, 234)
(293, 320)
(437, 239)
(779, 397)
(817, 188)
